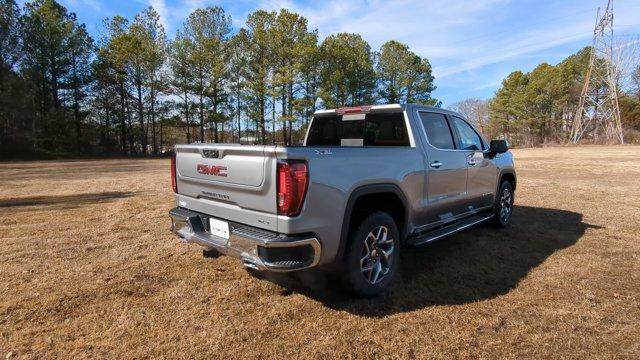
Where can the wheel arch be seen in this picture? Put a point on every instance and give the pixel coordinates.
(386, 191)
(508, 175)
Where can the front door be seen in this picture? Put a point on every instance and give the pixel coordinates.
(446, 172)
(482, 172)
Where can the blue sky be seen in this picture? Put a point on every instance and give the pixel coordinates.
(471, 44)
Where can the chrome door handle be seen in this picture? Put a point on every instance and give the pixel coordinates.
(471, 162)
(435, 164)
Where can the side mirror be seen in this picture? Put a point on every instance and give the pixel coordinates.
(498, 146)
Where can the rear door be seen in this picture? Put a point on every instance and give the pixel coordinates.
(446, 171)
(482, 172)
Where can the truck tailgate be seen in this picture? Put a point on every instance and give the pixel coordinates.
(228, 181)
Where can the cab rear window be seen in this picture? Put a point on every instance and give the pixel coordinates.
(377, 129)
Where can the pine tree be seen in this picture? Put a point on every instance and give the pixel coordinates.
(182, 76)
(53, 62)
(346, 74)
(403, 76)
(207, 31)
(259, 50)
(81, 54)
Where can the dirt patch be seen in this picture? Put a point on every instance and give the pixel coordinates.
(89, 269)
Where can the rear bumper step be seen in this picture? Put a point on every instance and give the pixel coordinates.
(258, 249)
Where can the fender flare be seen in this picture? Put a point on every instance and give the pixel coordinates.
(367, 190)
(504, 172)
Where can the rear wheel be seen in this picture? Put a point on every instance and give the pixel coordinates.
(503, 207)
(372, 256)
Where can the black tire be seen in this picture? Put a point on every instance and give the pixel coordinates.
(381, 255)
(503, 207)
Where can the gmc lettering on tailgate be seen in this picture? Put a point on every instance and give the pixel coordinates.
(213, 170)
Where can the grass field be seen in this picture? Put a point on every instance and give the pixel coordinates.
(88, 268)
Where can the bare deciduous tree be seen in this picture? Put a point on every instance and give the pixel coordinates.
(476, 111)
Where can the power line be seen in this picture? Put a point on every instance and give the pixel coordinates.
(534, 24)
(575, 36)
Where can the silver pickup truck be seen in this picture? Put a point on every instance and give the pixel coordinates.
(366, 182)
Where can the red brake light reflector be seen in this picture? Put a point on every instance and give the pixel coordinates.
(354, 110)
(174, 180)
(292, 181)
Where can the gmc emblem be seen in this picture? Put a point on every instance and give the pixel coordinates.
(212, 170)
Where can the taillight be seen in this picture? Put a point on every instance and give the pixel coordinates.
(364, 109)
(174, 180)
(293, 178)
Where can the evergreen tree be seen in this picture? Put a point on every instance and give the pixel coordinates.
(403, 76)
(238, 65)
(10, 41)
(13, 115)
(290, 40)
(81, 54)
(259, 50)
(114, 57)
(207, 31)
(346, 71)
(56, 60)
(183, 77)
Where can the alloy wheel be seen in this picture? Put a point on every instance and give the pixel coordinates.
(505, 205)
(377, 255)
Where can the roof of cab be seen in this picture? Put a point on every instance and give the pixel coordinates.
(389, 107)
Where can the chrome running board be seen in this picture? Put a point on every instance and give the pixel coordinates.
(447, 230)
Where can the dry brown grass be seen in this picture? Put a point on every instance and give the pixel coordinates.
(89, 269)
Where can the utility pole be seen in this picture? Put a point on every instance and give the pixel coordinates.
(598, 111)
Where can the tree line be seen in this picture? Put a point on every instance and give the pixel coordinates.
(134, 91)
(538, 107)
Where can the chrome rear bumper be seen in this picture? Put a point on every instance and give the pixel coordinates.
(258, 249)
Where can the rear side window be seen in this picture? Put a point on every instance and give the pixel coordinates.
(377, 129)
(469, 139)
(437, 130)
(386, 129)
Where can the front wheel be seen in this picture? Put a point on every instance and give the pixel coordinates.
(372, 257)
(503, 207)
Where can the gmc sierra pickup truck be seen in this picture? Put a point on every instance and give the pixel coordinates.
(366, 182)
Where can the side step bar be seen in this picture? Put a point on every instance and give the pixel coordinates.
(447, 230)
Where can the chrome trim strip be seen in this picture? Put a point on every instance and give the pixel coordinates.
(407, 124)
(387, 106)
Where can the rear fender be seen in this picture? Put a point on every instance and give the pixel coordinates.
(353, 198)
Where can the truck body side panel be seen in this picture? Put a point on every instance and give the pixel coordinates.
(336, 172)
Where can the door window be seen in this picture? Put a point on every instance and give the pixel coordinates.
(437, 130)
(469, 139)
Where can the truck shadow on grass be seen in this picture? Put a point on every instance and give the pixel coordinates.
(477, 264)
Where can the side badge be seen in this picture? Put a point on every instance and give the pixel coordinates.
(324, 152)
